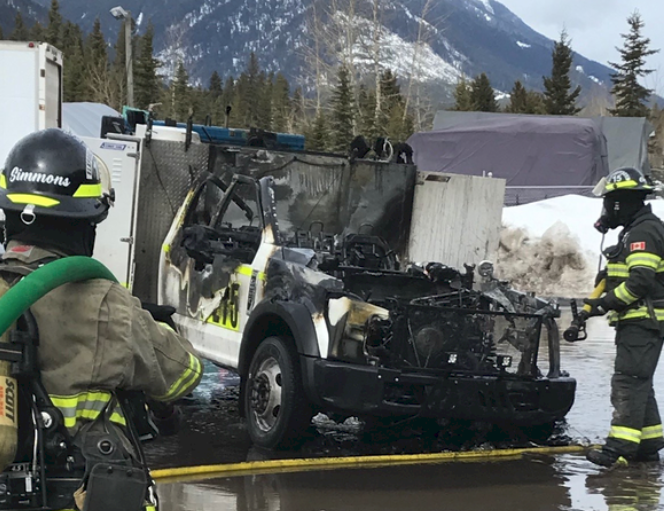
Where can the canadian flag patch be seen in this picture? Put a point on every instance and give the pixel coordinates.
(641, 245)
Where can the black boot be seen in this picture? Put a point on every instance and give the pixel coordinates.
(605, 457)
(647, 457)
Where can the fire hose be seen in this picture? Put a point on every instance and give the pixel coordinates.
(577, 329)
(180, 474)
(13, 303)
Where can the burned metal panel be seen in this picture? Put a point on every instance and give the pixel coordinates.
(329, 193)
(380, 195)
(167, 174)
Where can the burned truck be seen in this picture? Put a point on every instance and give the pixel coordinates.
(317, 321)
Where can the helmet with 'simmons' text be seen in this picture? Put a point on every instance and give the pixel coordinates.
(53, 173)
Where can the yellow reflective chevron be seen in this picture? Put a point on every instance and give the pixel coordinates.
(29, 198)
(182, 384)
(3, 180)
(630, 183)
(86, 405)
(624, 295)
(652, 432)
(637, 313)
(88, 191)
(624, 433)
(643, 259)
(617, 270)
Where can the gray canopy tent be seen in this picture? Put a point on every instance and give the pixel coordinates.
(626, 137)
(539, 157)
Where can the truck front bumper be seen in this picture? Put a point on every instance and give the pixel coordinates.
(372, 391)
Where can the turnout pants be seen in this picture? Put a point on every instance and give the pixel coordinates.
(636, 428)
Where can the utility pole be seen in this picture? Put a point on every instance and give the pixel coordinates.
(120, 14)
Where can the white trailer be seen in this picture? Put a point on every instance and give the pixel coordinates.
(30, 91)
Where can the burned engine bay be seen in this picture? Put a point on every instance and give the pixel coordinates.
(428, 317)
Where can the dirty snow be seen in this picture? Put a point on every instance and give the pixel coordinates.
(523, 45)
(551, 246)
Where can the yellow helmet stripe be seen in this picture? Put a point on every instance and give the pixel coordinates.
(88, 191)
(28, 198)
(625, 184)
(3, 180)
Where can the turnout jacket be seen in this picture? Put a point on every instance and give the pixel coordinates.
(96, 338)
(635, 270)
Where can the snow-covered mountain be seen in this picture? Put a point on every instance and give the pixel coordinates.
(461, 37)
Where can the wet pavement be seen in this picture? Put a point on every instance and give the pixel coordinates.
(213, 433)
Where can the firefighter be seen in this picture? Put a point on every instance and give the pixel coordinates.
(635, 302)
(96, 340)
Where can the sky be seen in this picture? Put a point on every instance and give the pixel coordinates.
(595, 26)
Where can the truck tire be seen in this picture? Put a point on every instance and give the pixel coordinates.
(277, 409)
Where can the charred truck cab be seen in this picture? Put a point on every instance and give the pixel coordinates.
(318, 322)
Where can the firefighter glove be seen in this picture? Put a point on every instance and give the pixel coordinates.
(161, 313)
(597, 306)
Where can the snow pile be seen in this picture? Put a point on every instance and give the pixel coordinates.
(551, 247)
(552, 265)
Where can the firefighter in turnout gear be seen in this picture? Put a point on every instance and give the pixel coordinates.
(96, 341)
(634, 300)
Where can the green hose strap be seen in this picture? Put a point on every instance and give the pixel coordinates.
(45, 279)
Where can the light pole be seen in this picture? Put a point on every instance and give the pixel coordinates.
(120, 14)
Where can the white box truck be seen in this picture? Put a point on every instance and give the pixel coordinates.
(30, 90)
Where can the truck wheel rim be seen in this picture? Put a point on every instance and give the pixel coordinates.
(266, 394)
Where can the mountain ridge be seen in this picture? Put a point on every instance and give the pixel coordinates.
(465, 38)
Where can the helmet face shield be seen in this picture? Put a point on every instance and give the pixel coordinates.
(598, 191)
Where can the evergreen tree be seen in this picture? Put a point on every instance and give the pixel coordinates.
(54, 27)
(20, 32)
(37, 33)
(147, 83)
(226, 99)
(629, 93)
(239, 105)
(317, 137)
(518, 99)
(73, 78)
(96, 60)
(366, 102)
(462, 96)
(482, 95)
(535, 104)
(252, 91)
(264, 111)
(180, 93)
(557, 96)
(281, 104)
(216, 88)
(342, 112)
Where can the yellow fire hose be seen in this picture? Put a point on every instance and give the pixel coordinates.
(180, 474)
(597, 292)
